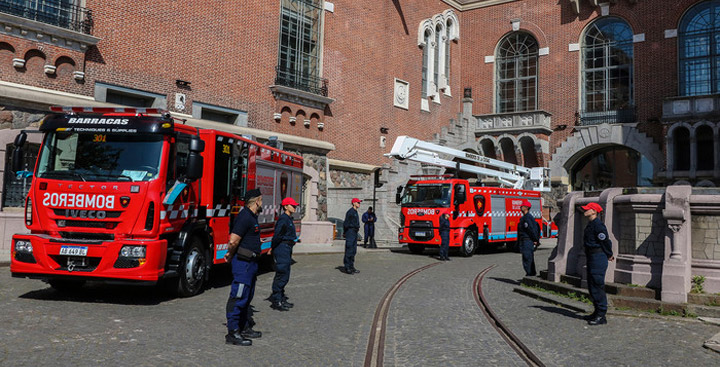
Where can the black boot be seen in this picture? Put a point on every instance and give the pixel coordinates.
(287, 303)
(279, 306)
(235, 338)
(598, 320)
(589, 317)
(249, 333)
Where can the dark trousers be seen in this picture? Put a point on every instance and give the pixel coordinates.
(350, 249)
(242, 291)
(283, 258)
(444, 245)
(597, 263)
(369, 236)
(528, 256)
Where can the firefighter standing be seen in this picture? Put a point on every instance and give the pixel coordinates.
(369, 218)
(243, 252)
(350, 228)
(598, 251)
(444, 235)
(528, 238)
(284, 239)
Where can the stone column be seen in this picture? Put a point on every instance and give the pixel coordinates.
(676, 272)
(607, 199)
(558, 261)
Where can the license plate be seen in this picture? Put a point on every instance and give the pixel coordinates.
(74, 250)
(420, 233)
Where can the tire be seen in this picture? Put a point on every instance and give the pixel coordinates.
(416, 248)
(193, 270)
(469, 244)
(66, 285)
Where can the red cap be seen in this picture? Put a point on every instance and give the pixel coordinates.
(594, 206)
(526, 203)
(355, 200)
(289, 201)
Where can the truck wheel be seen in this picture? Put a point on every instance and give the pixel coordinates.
(416, 248)
(193, 269)
(66, 285)
(469, 244)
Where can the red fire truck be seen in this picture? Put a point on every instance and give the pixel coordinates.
(480, 214)
(132, 194)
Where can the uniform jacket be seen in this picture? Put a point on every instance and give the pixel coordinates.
(444, 227)
(352, 221)
(284, 230)
(528, 228)
(596, 236)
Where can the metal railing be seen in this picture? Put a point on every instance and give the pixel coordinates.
(62, 13)
(299, 80)
(625, 115)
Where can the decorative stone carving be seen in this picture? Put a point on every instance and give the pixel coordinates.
(306, 123)
(277, 116)
(292, 119)
(505, 121)
(18, 63)
(50, 69)
(78, 75)
(401, 94)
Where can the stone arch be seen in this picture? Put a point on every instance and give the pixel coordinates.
(35, 60)
(452, 24)
(508, 147)
(425, 26)
(300, 115)
(586, 138)
(65, 66)
(285, 114)
(7, 53)
(529, 149)
(705, 136)
(671, 147)
(489, 147)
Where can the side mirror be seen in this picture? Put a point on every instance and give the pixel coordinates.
(194, 166)
(197, 145)
(17, 155)
(398, 194)
(460, 195)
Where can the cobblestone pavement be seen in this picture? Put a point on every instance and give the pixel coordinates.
(433, 321)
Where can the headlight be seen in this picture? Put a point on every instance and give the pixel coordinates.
(133, 251)
(24, 247)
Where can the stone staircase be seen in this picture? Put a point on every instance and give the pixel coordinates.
(625, 297)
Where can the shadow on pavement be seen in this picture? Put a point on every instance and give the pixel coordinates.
(505, 280)
(99, 292)
(560, 311)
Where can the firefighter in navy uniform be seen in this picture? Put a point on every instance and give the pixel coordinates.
(283, 241)
(351, 226)
(444, 232)
(243, 253)
(598, 251)
(528, 238)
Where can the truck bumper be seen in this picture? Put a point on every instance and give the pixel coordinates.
(102, 261)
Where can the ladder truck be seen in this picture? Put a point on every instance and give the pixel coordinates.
(479, 214)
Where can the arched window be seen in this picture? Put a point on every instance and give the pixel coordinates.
(705, 153)
(508, 150)
(607, 68)
(426, 62)
(448, 42)
(530, 158)
(439, 50)
(699, 55)
(681, 159)
(516, 66)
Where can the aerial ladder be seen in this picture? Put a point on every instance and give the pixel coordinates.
(508, 174)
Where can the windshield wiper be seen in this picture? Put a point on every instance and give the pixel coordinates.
(64, 174)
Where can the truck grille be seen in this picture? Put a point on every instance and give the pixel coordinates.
(62, 260)
(108, 213)
(87, 224)
(421, 230)
(88, 236)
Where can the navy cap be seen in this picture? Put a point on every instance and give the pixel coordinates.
(252, 194)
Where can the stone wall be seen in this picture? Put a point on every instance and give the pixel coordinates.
(641, 233)
(19, 118)
(319, 164)
(706, 237)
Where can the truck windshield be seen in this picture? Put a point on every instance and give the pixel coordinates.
(100, 157)
(426, 195)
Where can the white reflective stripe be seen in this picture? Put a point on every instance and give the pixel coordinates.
(219, 138)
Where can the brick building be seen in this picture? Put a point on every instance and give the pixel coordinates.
(602, 93)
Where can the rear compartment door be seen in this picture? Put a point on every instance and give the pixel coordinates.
(497, 211)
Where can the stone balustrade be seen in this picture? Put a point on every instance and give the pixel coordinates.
(691, 107)
(661, 237)
(531, 121)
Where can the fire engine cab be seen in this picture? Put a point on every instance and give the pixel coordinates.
(479, 214)
(133, 194)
